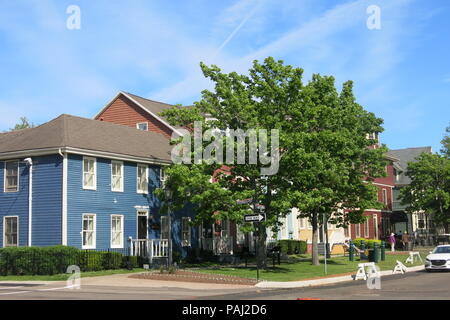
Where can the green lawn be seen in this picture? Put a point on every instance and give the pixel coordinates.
(65, 276)
(300, 268)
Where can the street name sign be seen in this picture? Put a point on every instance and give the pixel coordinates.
(254, 218)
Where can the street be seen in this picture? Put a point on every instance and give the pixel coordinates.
(414, 286)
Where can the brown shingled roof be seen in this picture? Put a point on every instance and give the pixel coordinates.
(94, 135)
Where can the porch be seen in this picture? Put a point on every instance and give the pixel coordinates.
(149, 248)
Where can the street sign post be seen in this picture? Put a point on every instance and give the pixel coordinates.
(254, 217)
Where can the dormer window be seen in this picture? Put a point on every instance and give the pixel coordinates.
(142, 126)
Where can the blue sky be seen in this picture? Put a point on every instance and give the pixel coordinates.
(153, 49)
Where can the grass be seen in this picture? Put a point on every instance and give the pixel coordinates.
(300, 268)
(65, 276)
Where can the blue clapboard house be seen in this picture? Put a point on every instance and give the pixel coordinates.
(88, 184)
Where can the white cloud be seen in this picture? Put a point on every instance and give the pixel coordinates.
(313, 46)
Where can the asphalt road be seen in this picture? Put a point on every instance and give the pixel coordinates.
(414, 285)
(411, 286)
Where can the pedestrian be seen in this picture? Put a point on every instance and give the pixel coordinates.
(405, 241)
(392, 241)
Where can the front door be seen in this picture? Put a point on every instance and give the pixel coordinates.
(142, 225)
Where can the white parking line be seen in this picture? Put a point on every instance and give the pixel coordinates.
(52, 289)
(6, 288)
(17, 292)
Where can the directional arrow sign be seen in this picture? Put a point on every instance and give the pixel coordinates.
(254, 218)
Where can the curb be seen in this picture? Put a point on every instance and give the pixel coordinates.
(322, 281)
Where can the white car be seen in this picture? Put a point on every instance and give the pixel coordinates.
(438, 259)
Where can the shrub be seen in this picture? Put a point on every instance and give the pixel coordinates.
(111, 260)
(36, 260)
(134, 261)
(176, 256)
(292, 246)
(56, 259)
(368, 243)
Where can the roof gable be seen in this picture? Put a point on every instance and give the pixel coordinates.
(151, 107)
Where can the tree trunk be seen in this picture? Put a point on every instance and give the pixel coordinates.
(262, 247)
(315, 240)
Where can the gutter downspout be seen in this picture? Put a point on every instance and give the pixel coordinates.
(64, 199)
(29, 162)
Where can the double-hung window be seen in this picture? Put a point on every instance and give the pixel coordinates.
(11, 176)
(164, 227)
(89, 173)
(186, 232)
(142, 178)
(10, 231)
(162, 177)
(116, 231)
(366, 228)
(117, 176)
(302, 223)
(385, 198)
(357, 230)
(88, 232)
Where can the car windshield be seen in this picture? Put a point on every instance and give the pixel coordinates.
(442, 250)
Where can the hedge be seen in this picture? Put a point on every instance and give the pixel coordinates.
(292, 246)
(368, 243)
(56, 259)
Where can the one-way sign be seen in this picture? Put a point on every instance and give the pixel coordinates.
(254, 218)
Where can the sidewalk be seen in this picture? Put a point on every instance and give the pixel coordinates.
(124, 280)
(321, 281)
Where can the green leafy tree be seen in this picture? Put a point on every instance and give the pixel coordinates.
(446, 143)
(429, 190)
(24, 124)
(326, 162)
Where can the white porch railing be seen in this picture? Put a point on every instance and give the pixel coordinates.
(219, 245)
(150, 248)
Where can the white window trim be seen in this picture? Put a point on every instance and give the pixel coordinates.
(358, 230)
(95, 231)
(376, 230)
(302, 223)
(4, 229)
(137, 125)
(162, 177)
(137, 178)
(366, 228)
(4, 175)
(122, 221)
(142, 213)
(121, 172)
(95, 173)
(187, 243)
(384, 196)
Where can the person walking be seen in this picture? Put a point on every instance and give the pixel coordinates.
(392, 241)
(405, 240)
